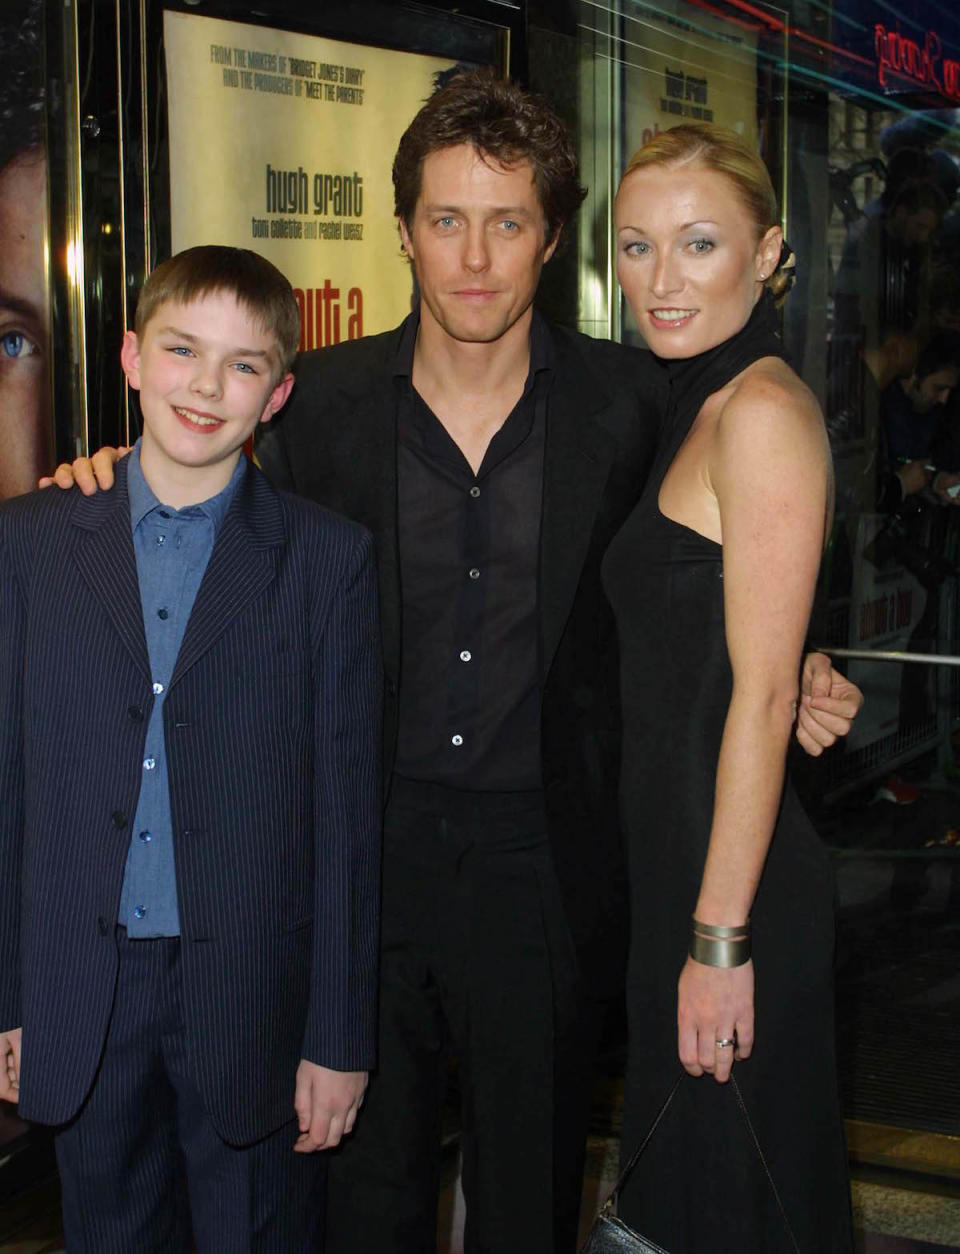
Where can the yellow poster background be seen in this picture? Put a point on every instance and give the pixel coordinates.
(283, 143)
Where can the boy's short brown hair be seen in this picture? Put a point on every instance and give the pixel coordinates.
(501, 122)
(257, 284)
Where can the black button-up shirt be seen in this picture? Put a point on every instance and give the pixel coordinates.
(469, 704)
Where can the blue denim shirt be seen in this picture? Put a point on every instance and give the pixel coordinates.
(172, 549)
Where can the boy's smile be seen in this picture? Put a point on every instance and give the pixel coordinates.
(194, 419)
(206, 373)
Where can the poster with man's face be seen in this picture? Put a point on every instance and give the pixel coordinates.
(283, 142)
(25, 421)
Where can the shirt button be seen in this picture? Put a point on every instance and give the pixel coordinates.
(474, 573)
(164, 614)
(474, 491)
(149, 763)
(146, 837)
(164, 514)
(139, 911)
(456, 740)
(157, 688)
(465, 655)
(161, 539)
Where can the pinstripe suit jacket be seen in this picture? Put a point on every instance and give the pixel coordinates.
(272, 732)
(336, 442)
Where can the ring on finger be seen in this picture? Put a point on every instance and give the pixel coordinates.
(727, 1042)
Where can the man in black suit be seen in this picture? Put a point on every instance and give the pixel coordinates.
(189, 801)
(493, 456)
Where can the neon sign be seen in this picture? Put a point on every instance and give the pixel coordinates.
(924, 65)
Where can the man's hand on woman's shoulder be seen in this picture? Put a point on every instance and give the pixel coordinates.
(829, 704)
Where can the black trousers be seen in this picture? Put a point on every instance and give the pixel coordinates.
(477, 958)
(142, 1166)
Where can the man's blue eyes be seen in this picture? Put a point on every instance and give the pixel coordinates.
(507, 222)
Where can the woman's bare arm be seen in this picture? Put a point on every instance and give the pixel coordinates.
(768, 464)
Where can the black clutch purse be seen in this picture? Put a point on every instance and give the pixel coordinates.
(610, 1235)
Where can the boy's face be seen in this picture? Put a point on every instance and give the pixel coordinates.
(206, 373)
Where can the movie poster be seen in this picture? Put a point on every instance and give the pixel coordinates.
(284, 142)
(26, 436)
(686, 65)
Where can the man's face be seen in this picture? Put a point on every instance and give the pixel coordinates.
(933, 389)
(914, 226)
(206, 373)
(478, 242)
(25, 445)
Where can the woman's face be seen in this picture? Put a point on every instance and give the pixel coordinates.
(688, 257)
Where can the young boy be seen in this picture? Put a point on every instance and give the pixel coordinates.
(189, 800)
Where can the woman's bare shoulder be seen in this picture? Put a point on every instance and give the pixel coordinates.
(768, 423)
(768, 391)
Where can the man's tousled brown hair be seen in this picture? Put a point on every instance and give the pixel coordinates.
(502, 123)
(256, 283)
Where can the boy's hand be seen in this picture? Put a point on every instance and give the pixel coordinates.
(10, 1065)
(326, 1103)
(88, 473)
(829, 702)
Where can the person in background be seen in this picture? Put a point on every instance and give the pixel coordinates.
(883, 279)
(913, 405)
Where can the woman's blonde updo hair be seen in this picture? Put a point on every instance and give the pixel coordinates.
(723, 151)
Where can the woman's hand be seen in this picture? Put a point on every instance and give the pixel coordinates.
(714, 1004)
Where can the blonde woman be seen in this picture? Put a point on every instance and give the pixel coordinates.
(732, 893)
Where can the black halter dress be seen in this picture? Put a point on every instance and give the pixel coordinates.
(700, 1188)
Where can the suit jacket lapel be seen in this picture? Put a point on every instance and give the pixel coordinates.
(577, 462)
(243, 563)
(106, 561)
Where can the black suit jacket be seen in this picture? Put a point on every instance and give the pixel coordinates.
(271, 726)
(336, 442)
